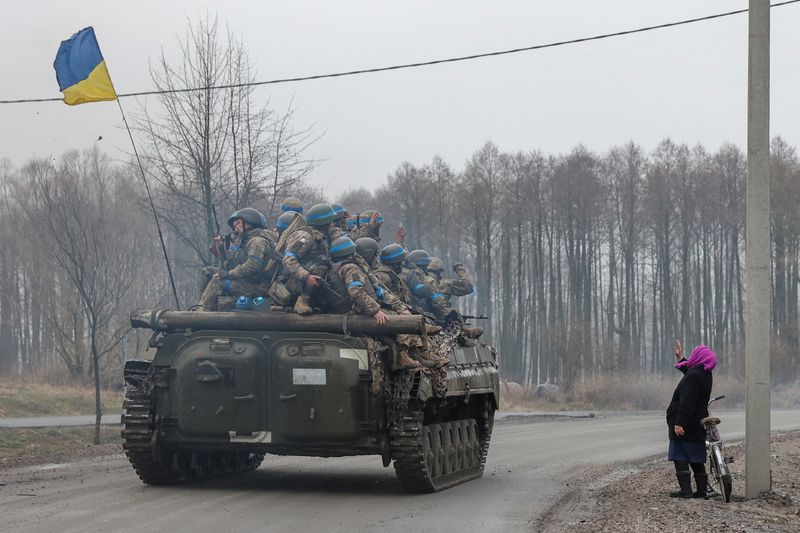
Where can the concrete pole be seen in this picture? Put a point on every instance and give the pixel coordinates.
(757, 257)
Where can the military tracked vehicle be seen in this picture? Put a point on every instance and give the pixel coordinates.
(226, 388)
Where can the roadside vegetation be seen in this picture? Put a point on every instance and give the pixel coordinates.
(24, 446)
(631, 392)
(25, 399)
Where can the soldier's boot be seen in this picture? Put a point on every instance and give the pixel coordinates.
(423, 359)
(407, 363)
(301, 306)
(472, 332)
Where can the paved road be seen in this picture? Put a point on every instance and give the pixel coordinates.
(529, 460)
(88, 420)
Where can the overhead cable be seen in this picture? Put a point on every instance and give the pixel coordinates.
(421, 63)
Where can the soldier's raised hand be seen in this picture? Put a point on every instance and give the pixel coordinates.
(400, 234)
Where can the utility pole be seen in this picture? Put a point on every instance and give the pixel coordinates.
(757, 256)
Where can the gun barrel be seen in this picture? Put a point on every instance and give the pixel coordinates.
(167, 321)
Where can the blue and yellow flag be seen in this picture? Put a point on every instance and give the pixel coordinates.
(81, 71)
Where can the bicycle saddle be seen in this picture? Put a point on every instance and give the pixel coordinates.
(710, 421)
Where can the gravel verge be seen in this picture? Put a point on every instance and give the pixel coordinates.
(634, 497)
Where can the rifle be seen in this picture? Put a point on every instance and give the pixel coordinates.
(328, 287)
(215, 249)
(473, 317)
(420, 311)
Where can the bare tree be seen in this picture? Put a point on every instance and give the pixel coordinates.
(210, 149)
(89, 237)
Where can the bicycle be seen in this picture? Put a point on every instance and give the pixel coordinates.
(720, 474)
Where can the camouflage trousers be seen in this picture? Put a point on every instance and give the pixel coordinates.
(229, 287)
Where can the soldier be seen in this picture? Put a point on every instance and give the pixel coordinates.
(369, 225)
(367, 257)
(341, 217)
(248, 276)
(416, 279)
(292, 203)
(447, 288)
(389, 269)
(285, 220)
(358, 292)
(306, 256)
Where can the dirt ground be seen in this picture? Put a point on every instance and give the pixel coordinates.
(634, 497)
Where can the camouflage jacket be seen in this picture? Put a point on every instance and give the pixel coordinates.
(251, 255)
(370, 229)
(360, 292)
(447, 288)
(392, 281)
(304, 247)
(386, 296)
(420, 284)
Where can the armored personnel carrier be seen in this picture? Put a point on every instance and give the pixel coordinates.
(226, 388)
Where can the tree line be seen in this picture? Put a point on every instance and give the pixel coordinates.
(591, 263)
(586, 263)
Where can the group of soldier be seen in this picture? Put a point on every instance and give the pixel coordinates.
(322, 259)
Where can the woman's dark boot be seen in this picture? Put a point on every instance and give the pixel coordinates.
(685, 481)
(701, 480)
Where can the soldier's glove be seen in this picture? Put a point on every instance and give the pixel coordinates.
(457, 267)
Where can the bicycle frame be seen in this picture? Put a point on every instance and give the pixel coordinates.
(718, 465)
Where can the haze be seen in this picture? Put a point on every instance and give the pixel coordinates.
(688, 82)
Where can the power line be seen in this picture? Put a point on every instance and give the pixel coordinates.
(421, 63)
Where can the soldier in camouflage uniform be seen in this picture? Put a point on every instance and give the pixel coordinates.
(292, 203)
(368, 225)
(446, 288)
(417, 280)
(389, 269)
(305, 259)
(248, 276)
(367, 257)
(359, 293)
(341, 218)
(284, 221)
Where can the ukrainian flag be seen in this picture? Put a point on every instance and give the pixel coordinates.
(81, 71)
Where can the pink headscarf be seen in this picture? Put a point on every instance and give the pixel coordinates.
(701, 355)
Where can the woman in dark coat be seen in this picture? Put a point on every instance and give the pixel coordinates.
(688, 406)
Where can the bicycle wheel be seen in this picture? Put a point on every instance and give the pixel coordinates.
(721, 474)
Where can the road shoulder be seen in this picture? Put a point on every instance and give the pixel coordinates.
(634, 497)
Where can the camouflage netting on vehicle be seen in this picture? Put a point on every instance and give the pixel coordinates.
(440, 346)
(374, 349)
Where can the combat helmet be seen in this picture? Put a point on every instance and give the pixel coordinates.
(435, 265)
(250, 215)
(286, 219)
(339, 211)
(320, 215)
(367, 248)
(365, 217)
(421, 258)
(393, 254)
(341, 247)
(292, 203)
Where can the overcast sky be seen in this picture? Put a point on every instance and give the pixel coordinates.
(688, 83)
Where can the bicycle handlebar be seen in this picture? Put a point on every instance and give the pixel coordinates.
(715, 399)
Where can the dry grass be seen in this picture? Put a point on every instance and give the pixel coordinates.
(40, 399)
(624, 392)
(34, 446)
